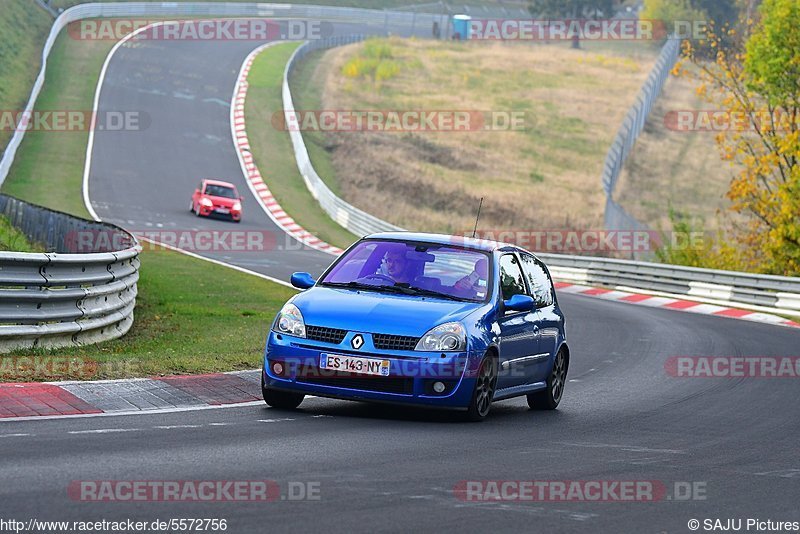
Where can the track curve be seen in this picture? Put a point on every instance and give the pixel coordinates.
(385, 469)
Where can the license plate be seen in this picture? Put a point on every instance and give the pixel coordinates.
(222, 210)
(354, 364)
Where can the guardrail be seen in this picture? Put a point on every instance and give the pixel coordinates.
(780, 293)
(355, 220)
(384, 22)
(60, 298)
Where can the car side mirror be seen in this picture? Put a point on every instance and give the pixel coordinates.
(521, 303)
(241, 199)
(302, 280)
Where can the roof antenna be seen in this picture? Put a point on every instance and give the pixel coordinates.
(476, 219)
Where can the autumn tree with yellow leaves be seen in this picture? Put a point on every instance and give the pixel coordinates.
(755, 78)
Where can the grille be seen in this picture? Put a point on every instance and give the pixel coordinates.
(323, 333)
(390, 342)
(340, 379)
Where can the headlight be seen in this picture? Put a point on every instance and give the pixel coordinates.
(290, 321)
(237, 206)
(445, 337)
(205, 202)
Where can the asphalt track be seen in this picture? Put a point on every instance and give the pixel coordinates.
(390, 469)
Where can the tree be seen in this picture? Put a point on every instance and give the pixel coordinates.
(572, 9)
(758, 85)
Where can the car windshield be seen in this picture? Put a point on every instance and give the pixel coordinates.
(425, 269)
(224, 191)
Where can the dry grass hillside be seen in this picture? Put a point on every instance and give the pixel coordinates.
(673, 168)
(545, 176)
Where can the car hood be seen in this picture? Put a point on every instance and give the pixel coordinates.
(367, 311)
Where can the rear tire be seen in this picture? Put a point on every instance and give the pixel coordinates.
(280, 399)
(485, 386)
(550, 397)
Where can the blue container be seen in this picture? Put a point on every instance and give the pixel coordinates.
(461, 27)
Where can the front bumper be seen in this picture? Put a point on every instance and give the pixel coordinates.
(206, 211)
(410, 381)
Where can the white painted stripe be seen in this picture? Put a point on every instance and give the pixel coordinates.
(613, 295)
(656, 302)
(240, 83)
(104, 431)
(135, 412)
(170, 427)
(87, 166)
(706, 309)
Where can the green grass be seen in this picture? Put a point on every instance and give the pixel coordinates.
(56, 158)
(12, 239)
(191, 317)
(272, 148)
(23, 27)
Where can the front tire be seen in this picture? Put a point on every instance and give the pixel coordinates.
(485, 386)
(550, 397)
(280, 399)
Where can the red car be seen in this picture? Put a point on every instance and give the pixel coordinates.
(215, 197)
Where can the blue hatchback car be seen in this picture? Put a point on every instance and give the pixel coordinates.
(421, 319)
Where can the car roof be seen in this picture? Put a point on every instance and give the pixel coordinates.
(445, 239)
(208, 181)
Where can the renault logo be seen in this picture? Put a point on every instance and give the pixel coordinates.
(357, 342)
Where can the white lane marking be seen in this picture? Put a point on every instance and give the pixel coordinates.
(88, 164)
(104, 431)
(134, 412)
(170, 427)
(275, 420)
(318, 416)
(14, 435)
(219, 424)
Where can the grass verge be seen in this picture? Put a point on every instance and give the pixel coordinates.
(272, 148)
(50, 163)
(542, 175)
(191, 316)
(13, 240)
(23, 26)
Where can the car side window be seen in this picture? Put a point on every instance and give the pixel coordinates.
(538, 281)
(511, 281)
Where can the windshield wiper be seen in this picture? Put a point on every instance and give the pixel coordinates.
(431, 293)
(368, 287)
(401, 288)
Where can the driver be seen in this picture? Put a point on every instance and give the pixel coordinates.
(475, 282)
(397, 265)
